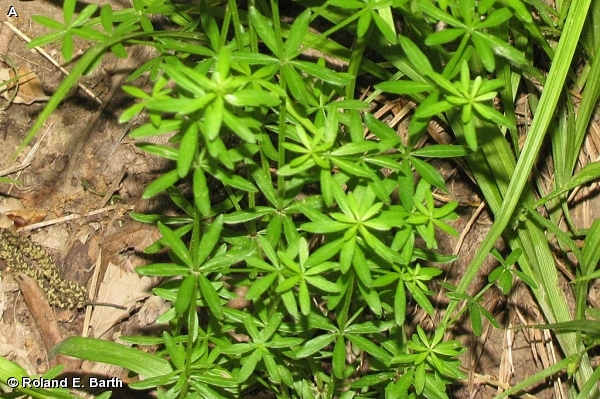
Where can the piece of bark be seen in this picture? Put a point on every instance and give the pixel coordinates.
(46, 321)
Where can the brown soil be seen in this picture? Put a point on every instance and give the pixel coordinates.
(70, 175)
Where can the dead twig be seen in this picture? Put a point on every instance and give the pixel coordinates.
(45, 320)
(52, 60)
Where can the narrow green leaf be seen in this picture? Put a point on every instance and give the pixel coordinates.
(429, 173)
(187, 149)
(213, 118)
(162, 269)
(264, 30)
(176, 244)
(210, 239)
(252, 98)
(297, 34)
(380, 129)
(249, 366)
(323, 73)
(400, 304)
(210, 295)
(295, 83)
(324, 227)
(440, 151)
(444, 36)
(503, 49)
(184, 294)
(201, 193)
(364, 22)
(431, 9)
(98, 350)
(322, 284)
(175, 350)
(484, 52)
(49, 23)
(234, 181)
(339, 358)
(415, 55)
(248, 214)
(314, 345)
(261, 285)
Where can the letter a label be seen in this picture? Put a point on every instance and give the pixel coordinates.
(12, 12)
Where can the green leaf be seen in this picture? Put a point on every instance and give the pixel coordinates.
(261, 285)
(67, 46)
(161, 184)
(415, 55)
(433, 109)
(444, 36)
(322, 284)
(85, 14)
(440, 15)
(404, 87)
(421, 299)
(297, 34)
(364, 22)
(264, 30)
(361, 267)
(324, 227)
(400, 304)
(209, 239)
(252, 98)
(234, 181)
(484, 52)
(185, 293)
(210, 295)
(162, 269)
(429, 173)
(68, 10)
(503, 49)
(355, 148)
(151, 130)
(249, 365)
(176, 244)
(271, 327)
(295, 83)
(247, 215)
(323, 73)
(522, 11)
(351, 168)
(490, 114)
(187, 149)
(213, 118)
(476, 320)
(347, 4)
(387, 29)
(201, 193)
(314, 345)
(49, 23)
(339, 358)
(228, 259)
(98, 350)
(440, 151)
(381, 130)
(370, 347)
(304, 297)
(175, 350)
(496, 18)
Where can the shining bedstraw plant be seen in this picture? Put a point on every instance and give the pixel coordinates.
(320, 214)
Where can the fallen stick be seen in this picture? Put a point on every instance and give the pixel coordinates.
(45, 321)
